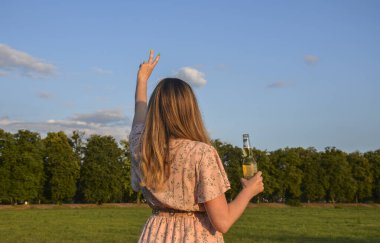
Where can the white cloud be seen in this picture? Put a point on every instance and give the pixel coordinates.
(192, 76)
(311, 60)
(102, 117)
(101, 71)
(4, 121)
(279, 84)
(105, 122)
(14, 60)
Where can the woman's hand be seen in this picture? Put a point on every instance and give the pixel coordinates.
(146, 68)
(255, 184)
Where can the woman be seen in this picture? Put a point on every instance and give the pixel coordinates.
(179, 173)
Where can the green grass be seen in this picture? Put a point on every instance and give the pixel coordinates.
(307, 225)
(262, 224)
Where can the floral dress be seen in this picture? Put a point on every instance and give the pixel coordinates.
(197, 175)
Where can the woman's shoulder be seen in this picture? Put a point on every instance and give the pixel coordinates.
(196, 146)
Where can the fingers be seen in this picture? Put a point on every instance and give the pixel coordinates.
(150, 61)
(142, 63)
(259, 175)
(150, 56)
(156, 60)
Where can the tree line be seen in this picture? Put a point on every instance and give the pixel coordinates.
(72, 169)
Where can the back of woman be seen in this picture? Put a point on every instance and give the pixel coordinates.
(196, 175)
(179, 173)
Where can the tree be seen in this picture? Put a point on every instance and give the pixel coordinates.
(27, 170)
(78, 146)
(61, 167)
(27, 163)
(312, 181)
(374, 161)
(288, 172)
(339, 183)
(265, 165)
(7, 159)
(361, 172)
(102, 170)
(129, 194)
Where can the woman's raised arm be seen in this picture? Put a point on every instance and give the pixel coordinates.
(145, 70)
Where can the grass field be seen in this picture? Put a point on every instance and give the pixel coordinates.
(123, 224)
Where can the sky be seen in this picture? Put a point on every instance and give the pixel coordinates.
(289, 73)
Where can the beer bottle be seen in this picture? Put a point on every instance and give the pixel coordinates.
(249, 162)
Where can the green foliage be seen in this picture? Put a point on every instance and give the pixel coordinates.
(26, 169)
(102, 170)
(339, 183)
(48, 169)
(78, 145)
(287, 163)
(61, 167)
(361, 172)
(374, 161)
(312, 181)
(7, 159)
(270, 175)
(128, 194)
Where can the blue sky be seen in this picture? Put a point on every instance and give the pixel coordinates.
(290, 73)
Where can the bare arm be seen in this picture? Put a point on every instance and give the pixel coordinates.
(145, 70)
(222, 214)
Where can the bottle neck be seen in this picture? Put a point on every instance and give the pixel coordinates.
(247, 152)
(246, 142)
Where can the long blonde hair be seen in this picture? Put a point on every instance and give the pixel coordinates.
(173, 112)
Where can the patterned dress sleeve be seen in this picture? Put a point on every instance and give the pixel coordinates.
(212, 179)
(134, 142)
